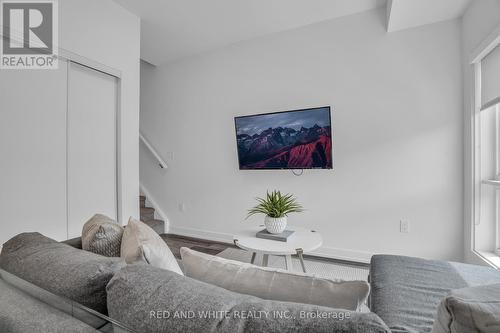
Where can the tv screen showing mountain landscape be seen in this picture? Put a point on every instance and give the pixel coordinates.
(299, 139)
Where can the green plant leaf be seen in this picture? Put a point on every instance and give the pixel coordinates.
(276, 205)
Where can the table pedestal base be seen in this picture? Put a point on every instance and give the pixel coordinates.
(288, 260)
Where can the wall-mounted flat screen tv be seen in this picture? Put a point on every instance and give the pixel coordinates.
(300, 139)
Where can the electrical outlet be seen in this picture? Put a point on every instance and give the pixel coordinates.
(182, 207)
(404, 226)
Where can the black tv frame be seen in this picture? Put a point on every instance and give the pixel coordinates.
(270, 113)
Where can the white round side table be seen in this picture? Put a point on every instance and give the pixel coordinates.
(302, 241)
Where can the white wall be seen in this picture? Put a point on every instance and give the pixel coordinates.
(33, 108)
(480, 19)
(397, 122)
(33, 182)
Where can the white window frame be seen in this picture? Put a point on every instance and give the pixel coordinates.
(489, 44)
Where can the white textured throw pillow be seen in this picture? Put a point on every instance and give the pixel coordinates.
(272, 283)
(140, 243)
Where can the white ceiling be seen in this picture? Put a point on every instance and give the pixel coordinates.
(173, 29)
(404, 14)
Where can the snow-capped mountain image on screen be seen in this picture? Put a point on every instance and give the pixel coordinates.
(300, 139)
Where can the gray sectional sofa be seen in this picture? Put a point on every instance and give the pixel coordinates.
(406, 291)
(20, 312)
(148, 299)
(142, 298)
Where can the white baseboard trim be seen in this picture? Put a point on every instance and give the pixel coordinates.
(158, 210)
(203, 234)
(324, 251)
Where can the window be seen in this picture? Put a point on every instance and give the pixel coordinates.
(487, 231)
(486, 151)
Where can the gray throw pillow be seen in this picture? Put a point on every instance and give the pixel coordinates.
(469, 310)
(102, 235)
(79, 275)
(169, 302)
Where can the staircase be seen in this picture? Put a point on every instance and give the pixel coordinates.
(148, 217)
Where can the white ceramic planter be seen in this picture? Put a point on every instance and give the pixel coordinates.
(275, 225)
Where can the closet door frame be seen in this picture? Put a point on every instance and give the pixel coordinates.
(70, 58)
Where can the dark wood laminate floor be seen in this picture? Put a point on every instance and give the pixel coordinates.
(175, 242)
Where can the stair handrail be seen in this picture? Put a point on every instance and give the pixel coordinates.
(161, 161)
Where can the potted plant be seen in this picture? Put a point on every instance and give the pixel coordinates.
(276, 207)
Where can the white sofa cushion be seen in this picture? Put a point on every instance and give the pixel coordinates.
(140, 243)
(272, 283)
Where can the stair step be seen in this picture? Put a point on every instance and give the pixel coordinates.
(156, 225)
(148, 217)
(147, 213)
(147, 210)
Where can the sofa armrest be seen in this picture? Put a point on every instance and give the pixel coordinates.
(74, 242)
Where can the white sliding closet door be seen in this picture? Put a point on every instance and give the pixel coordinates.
(92, 109)
(33, 152)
